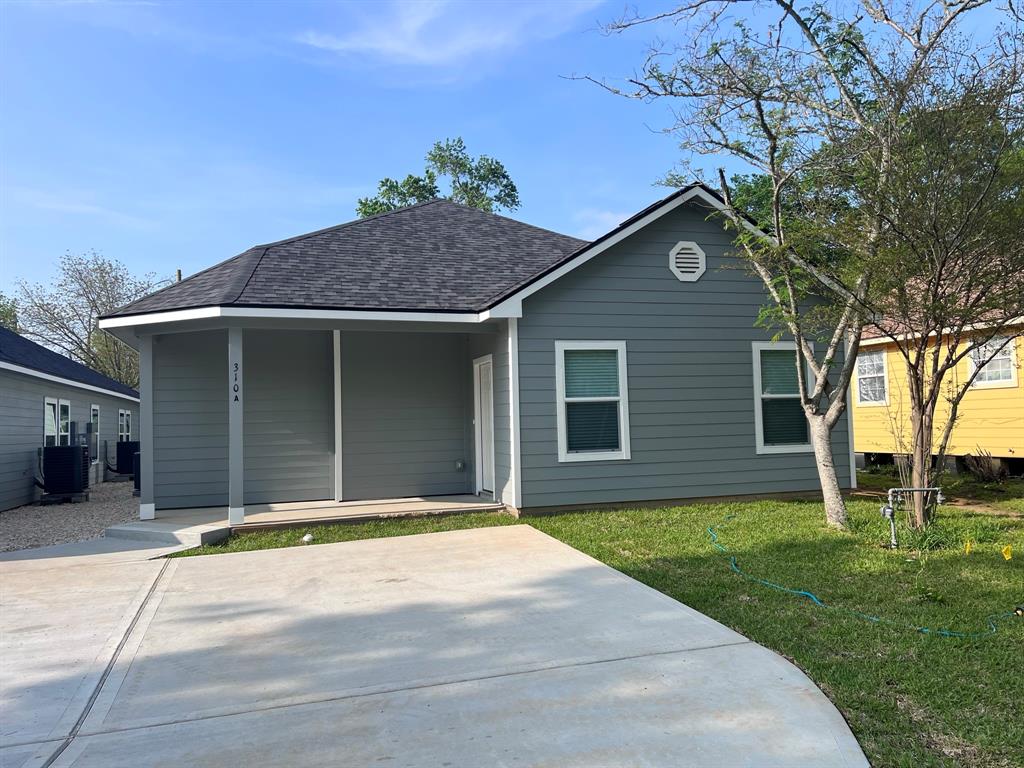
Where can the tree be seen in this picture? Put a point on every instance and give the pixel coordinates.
(480, 182)
(63, 315)
(817, 103)
(949, 277)
(8, 312)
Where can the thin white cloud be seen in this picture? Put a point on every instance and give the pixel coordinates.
(591, 223)
(73, 203)
(440, 33)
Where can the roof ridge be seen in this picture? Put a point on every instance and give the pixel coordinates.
(516, 221)
(343, 225)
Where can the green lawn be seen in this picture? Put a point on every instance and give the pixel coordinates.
(1007, 496)
(912, 699)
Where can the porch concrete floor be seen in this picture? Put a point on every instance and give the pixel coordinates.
(326, 511)
(496, 646)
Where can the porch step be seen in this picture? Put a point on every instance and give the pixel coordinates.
(169, 533)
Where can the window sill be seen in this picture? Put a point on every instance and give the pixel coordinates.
(873, 404)
(1012, 384)
(801, 448)
(595, 456)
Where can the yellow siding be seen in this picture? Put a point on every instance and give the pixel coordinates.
(991, 419)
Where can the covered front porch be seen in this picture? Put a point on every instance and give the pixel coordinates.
(256, 426)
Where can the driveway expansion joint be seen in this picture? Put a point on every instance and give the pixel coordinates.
(107, 670)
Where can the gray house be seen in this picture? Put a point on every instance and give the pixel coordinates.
(42, 394)
(438, 349)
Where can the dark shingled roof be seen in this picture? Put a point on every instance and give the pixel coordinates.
(18, 350)
(436, 256)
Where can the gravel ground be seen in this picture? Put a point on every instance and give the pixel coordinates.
(36, 526)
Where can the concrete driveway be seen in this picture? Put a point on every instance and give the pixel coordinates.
(497, 646)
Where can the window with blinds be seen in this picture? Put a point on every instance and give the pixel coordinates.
(871, 378)
(781, 423)
(997, 364)
(593, 416)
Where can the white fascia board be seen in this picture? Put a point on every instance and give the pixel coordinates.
(205, 313)
(67, 382)
(514, 302)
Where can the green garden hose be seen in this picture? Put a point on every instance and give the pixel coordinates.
(991, 620)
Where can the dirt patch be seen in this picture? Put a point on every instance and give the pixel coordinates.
(36, 526)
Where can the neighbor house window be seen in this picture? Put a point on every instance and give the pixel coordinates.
(592, 401)
(94, 438)
(872, 381)
(780, 426)
(124, 426)
(63, 422)
(49, 421)
(1001, 370)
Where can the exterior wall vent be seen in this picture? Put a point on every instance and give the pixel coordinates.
(687, 261)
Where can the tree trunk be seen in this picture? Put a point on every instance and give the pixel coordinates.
(835, 507)
(921, 457)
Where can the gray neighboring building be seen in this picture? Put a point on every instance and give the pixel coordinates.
(41, 394)
(438, 349)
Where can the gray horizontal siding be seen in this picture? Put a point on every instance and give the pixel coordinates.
(690, 371)
(22, 429)
(190, 419)
(289, 416)
(405, 404)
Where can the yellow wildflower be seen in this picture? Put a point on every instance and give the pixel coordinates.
(968, 547)
(1008, 552)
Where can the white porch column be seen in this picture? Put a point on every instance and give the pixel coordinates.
(236, 469)
(147, 502)
(513, 415)
(338, 492)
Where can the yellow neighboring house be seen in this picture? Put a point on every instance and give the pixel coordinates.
(991, 415)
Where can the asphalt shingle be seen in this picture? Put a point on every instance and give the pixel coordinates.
(17, 350)
(433, 257)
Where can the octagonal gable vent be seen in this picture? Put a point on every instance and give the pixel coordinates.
(687, 261)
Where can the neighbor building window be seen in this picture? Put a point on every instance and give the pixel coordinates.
(94, 438)
(780, 425)
(872, 379)
(124, 426)
(63, 422)
(1001, 370)
(592, 400)
(49, 421)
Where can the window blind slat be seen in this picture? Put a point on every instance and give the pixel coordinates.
(592, 426)
(784, 422)
(778, 372)
(591, 373)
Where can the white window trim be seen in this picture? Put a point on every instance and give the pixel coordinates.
(885, 372)
(760, 447)
(96, 431)
(564, 455)
(1011, 383)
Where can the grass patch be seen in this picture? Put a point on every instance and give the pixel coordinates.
(911, 699)
(332, 534)
(1007, 496)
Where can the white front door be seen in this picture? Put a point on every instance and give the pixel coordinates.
(483, 409)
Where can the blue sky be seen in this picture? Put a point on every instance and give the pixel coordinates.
(174, 135)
